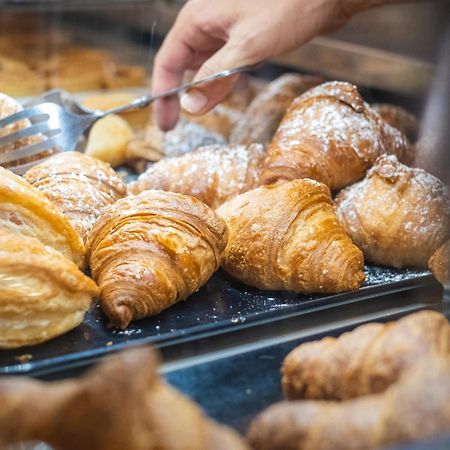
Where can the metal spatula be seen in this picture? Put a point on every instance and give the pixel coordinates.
(60, 128)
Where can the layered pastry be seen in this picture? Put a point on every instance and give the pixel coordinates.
(439, 263)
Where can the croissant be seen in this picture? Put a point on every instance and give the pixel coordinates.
(213, 174)
(439, 263)
(365, 361)
(416, 407)
(287, 237)
(25, 211)
(42, 293)
(79, 186)
(398, 216)
(266, 110)
(399, 118)
(122, 403)
(331, 135)
(152, 250)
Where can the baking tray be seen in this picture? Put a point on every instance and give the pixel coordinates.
(221, 306)
(234, 389)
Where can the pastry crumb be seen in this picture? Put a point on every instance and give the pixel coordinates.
(24, 358)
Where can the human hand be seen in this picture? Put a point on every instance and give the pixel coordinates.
(213, 36)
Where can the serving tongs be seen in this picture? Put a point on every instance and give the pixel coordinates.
(61, 121)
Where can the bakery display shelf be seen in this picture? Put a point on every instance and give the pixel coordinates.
(234, 389)
(221, 306)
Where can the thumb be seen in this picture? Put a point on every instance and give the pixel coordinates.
(202, 99)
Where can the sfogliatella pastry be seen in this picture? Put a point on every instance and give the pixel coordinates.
(213, 174)
(152, 250)
(415, 407)
(42, 293)
(122, 403)
(399, 118)
(287, 237)
(364, 361)
(266, 110)
(439, 264)
(79, 186)
(25, 211)
(331, 135)
(398, 216)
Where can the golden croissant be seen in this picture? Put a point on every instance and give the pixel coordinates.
(398, 216)
(213, 174)
(439, 264)
(152, 250)
(331, 135)
(287, 237)
(42, 293)
(121, 404)
(79, 186)
(26, 211)
(364, 361)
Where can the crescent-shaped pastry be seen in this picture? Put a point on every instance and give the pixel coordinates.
(213, 174)
(266, 110)
(42, 293)
(331, 135)
(439, 264)
(287, 237)
(79, 186)
(152, 250)
(398, 216)
(26, 211)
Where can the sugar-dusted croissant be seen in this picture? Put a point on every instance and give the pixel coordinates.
(399, 118)
(266, 110)
(26, 211)
(287, 237)
(415, 407)
(439, 263)
(121, 404)
(365, 361)
(398, 216)
(42, 293)
(152, 250)
(213, 174)
(331, 135)
(79, 186)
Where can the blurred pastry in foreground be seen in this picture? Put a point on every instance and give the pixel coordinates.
(399, 118)
(108, 140)
(331, 135)
(121, 403)
(24, 210)
(364, 361)
(398, 216)
(149, 251)
(287, 237)
(213, 174)
(79, 186)
(42, 293)
(266, 110)
(439, 264)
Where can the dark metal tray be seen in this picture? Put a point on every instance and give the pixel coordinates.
(234, 389)
(222, 305)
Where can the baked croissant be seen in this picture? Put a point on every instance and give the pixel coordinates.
(439, 264)
(213, 174)
(152, 250)
(25, 211)
(122, 403)
(42, 293)
(79, 186)
(331, 135)
(287, 237)
(365, 361)
(398, 216)
(416, 407)
(266, 110)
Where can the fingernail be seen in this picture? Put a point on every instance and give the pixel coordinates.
(193, 102)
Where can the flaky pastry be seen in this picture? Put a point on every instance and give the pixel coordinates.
(439, 264)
